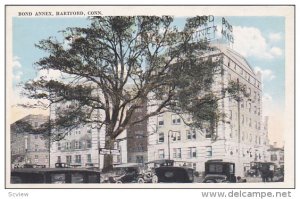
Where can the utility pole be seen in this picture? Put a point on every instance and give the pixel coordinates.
(169, 150)
(169, 144)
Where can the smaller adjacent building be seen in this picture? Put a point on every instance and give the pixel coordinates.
(276, 155)
(29, 147)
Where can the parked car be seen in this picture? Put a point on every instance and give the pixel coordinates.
(218, 167)
(54, 176)
(125, 173)
(33, 166)
(171, 174)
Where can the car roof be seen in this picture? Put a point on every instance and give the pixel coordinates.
(214, 176)
(127, 165)
(50, 170)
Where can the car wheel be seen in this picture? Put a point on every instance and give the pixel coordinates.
(119, 182)
(141, 180)
(154, 179)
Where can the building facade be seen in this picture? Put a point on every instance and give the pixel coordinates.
(28, 147)
(137, 138)
(80, 146)
(239, 135)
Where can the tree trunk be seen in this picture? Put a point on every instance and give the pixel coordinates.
(108, 158)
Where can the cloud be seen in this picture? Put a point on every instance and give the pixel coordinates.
(275, 37)
(49, 74)
(276, 51)
(17, 67)
(16, 62)
(267, 97)
(267, 74)
(17, 76)
(249, 41)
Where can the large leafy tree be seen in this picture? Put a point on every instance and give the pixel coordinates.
(116, 64)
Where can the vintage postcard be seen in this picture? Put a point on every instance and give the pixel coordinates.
(150, 96)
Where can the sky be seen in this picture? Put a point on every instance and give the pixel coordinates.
(261, 40)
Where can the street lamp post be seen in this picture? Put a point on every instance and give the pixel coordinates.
(169, 144)
(169, 148)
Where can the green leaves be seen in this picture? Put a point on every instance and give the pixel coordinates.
(118, 62)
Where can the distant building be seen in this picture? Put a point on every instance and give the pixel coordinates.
(28, 147)
(276, 155)
(137, 138)
(239, 136)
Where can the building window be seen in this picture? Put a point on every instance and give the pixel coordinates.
(176, 136)
(192, 152)
(88, 144)
(273, 157)
(58, 146)
(250, 122)
(69, 159)
(161, 137)
(77, 158)
(208, 151)
(36, 124)
(242, 119)
(36, 158)
(160, 120)
(77, 145)
(139, 134)
(177, 153)
(36, 136)
(139, 159)
(46, 158)
(36, 148)
(188, 135)
(67, 145)
(161, 153)
(140, 148)
(89, 158)
(58, 159)
(193, 134)
(176, 119)
(242, 103)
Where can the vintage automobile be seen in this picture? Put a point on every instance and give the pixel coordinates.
(54, 176)
(124, 173)
(172, 174)
(218, 167)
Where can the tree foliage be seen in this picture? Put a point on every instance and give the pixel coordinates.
(116, 64)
